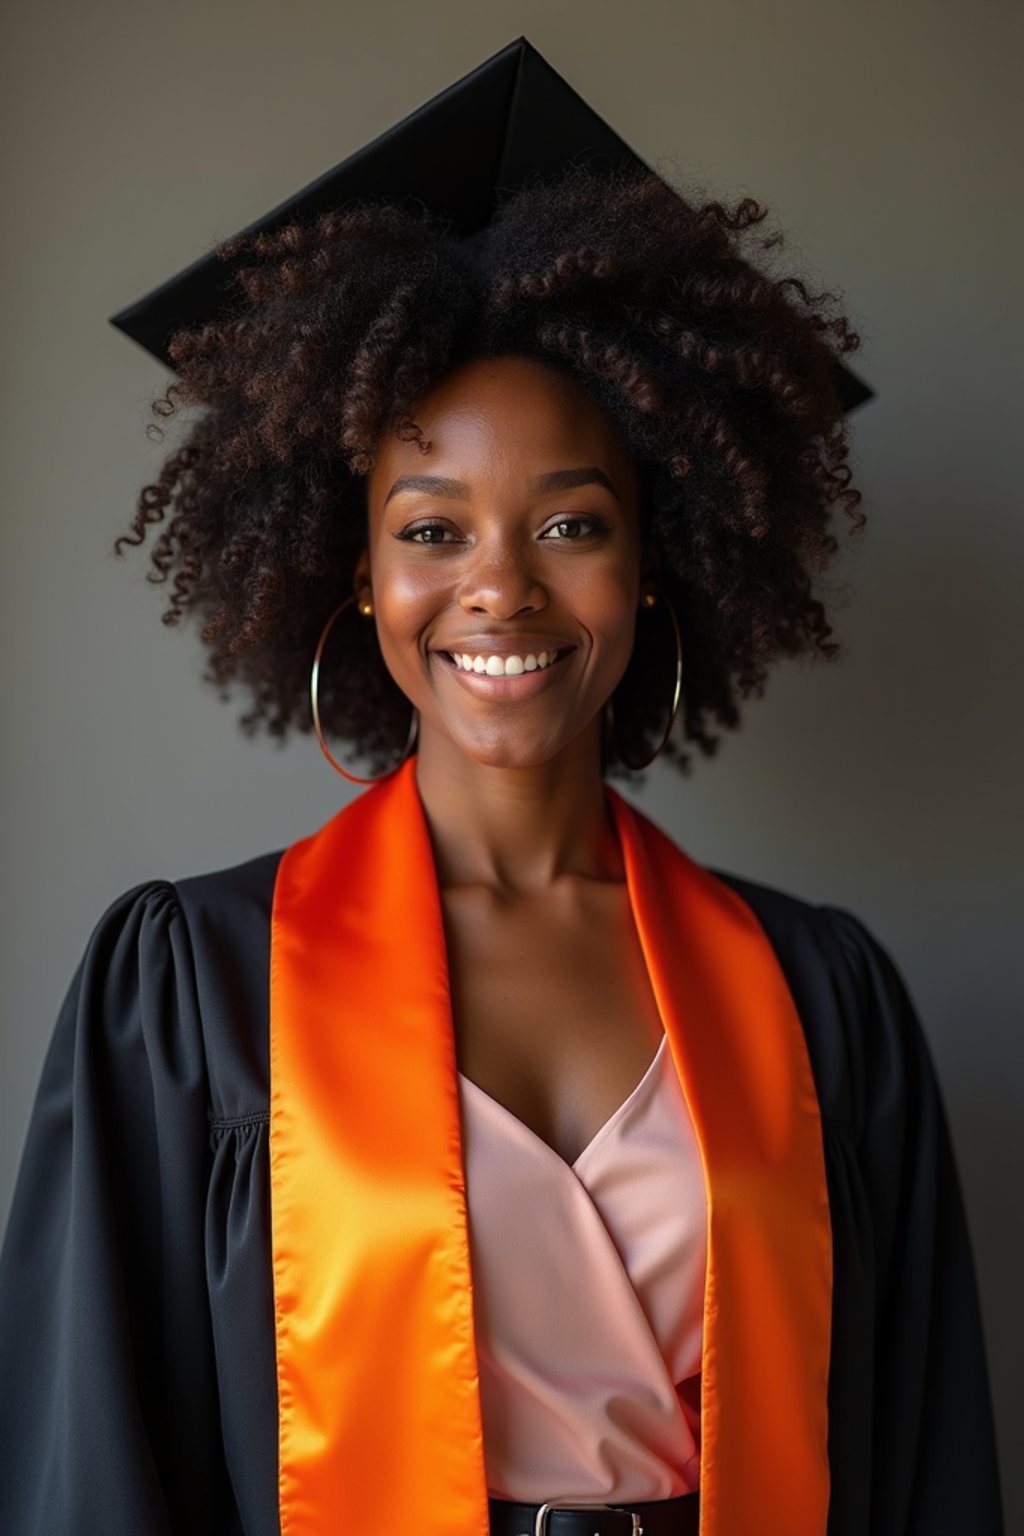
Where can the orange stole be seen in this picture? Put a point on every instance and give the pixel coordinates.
(378, 1387)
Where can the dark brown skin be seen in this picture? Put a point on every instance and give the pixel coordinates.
(553, 1010)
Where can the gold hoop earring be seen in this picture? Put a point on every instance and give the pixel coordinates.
(648, 600)
(365, 608)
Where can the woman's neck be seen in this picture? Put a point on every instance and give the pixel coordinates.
(517, 830)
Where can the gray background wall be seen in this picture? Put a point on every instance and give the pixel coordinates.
(882, 137)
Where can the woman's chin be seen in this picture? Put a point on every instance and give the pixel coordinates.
(504, 748)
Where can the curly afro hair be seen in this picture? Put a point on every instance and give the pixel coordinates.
(719, 376)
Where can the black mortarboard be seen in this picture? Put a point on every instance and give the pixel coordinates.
(511, 118)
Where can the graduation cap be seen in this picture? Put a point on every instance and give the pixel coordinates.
(511, 118)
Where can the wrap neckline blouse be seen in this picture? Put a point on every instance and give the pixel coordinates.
(588, 1282)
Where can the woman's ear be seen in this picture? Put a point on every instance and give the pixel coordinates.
(361, 576)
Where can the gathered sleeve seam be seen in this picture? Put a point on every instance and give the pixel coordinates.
(238, 1122)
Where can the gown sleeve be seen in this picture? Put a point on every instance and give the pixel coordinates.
(933, 1459)
(108, 1404)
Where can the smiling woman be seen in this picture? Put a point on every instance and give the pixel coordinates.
(707, 382)
(481, 1164)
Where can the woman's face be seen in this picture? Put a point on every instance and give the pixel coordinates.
(504, 564)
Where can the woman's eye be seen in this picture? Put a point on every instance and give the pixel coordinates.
(425, 533)
(570, 527)
(567, 528)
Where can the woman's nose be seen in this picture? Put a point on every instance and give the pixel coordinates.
(502, 584)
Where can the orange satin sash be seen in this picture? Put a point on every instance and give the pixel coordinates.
(378, 1389)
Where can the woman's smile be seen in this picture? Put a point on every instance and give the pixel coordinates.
(518, 675)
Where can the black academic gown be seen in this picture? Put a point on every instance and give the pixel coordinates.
(137, 1373)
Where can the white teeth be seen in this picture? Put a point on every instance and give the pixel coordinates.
(504, 666)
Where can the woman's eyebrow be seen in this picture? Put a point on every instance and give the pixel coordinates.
(569, 479)
(434, 485)
(458, 490)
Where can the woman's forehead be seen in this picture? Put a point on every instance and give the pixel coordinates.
(504, 418)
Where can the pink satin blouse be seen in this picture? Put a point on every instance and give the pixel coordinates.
(588, 1292)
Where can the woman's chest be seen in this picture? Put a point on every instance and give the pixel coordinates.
(552, 1007)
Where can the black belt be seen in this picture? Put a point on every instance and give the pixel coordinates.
(562, 1517)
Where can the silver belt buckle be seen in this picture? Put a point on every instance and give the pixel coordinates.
(540, 1527)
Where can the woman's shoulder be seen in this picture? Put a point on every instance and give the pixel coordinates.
(201, 923)
(189, 960)
(233, 894)
(824, 934)
(864, 1036)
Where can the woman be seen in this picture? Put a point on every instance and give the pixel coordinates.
(482, 1152)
